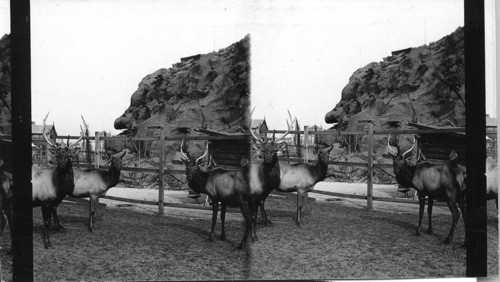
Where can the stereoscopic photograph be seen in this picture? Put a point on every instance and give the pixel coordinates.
(247, 140)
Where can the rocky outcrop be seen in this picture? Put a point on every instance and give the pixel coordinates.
(424, 84)
(5, 85)
(205, 91)
(202, 91)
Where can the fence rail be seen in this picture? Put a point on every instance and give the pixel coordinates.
(162, 169)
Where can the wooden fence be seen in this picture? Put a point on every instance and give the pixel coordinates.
(369, 165)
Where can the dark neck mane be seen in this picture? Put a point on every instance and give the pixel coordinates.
(271, 174)
(323, 167)
(64, 178)
(405, 175)
(112, 175)
(199, 180)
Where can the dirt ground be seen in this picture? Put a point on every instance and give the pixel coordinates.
(339, 239)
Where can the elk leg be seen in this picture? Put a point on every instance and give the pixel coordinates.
(461, 205)
(429, 213)
(46, 211)
(91, 213)
(222, 219)
(263, 213)
(456, 215)
(300, 198)
(421, 201)
(215, 210)
(57, 225)
(245, 211)
(2, 220)
(8, 213)
(254, 209)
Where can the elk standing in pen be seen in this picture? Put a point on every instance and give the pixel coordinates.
(52, 184)
(94, 183)
(444, 182)
(246, 187)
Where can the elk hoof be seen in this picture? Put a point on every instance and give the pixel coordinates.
(254, 238)
(267, 222)
(447, 240)
(241, 246)
(210, 238)
(222, 237)
(429, 231)
(60, 229)
(48, 245)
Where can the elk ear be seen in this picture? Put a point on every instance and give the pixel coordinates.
(120, 155)
(282, 145)
(328, 149)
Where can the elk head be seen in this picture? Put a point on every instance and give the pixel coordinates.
(323, 153)
(399, 160)
(63, 153)
(192, 166)
(269, 149)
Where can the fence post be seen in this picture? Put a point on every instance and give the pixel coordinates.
(369, 204)
(306, 143)
(97, 149)
(298, 149)
(306, 153)
(161, 191)
(97, 158)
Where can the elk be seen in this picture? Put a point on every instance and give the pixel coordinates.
(245, 187)
(221, 185)
(491, 180)
(5, 197)
(52, 184)
(445, 182)
(302, 177)
(94, 183)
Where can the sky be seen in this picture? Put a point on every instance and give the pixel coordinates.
(88, 57)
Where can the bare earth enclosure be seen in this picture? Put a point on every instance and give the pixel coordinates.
(338, 239)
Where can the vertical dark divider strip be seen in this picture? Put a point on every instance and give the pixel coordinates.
(475, 117)
(22, 248)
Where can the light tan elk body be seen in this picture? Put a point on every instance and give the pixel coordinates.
(301, 178)
(94, 183)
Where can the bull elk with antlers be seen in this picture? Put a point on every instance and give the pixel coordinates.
(52, 184)
(246, 187)
(445, 182)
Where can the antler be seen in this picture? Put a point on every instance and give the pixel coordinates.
(288, 125)
(81, 133)
(44, 134)
(389, 146)
(410, 148)
(204, 154)
(182, 152)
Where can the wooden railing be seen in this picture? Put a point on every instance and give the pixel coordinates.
(369, 164)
